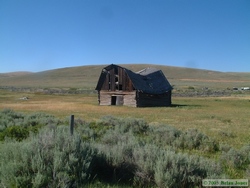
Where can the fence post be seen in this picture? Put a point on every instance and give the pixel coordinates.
(71, 124)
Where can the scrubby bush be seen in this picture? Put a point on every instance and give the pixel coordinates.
(190, 139)
(245, 151)
(134, 161)
(164, 135)
(247, 174)
(182, 170)
(9, 118)
(115, 158)
(123, 125)
(150, 166)
(35, 119)
(193, 139)
(237, 158)
(166, 168)
(120, 151)
(53, 158)
(17, 132)
(224, 147)
(18, 125)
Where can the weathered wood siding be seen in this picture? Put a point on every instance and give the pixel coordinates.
(122, 98)
(149, 100)
(130, 99)
(117, 79)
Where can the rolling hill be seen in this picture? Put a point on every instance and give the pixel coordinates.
(86, 77)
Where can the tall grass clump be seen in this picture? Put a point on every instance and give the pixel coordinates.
(53, 158)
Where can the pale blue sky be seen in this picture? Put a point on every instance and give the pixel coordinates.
(37, 35)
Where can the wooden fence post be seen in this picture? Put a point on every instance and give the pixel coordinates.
(71, 124)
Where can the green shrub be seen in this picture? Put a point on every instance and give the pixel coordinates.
(87, 134)
(147, 165)
(193, 139)
(112, 150)
(164, 135)
(17, 132)
(123, 125)
(247, 174)
(237, 158)
(224, 147)
(165, 168)
(12, 114)
(245, 151)
(17, 125)
(190, 139)
(181, 170)
(118, 147)
(191, 87)
(35, 119)
(138, 126)
(10, 118)
(50, 159)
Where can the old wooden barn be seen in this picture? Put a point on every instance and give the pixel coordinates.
(146, 88)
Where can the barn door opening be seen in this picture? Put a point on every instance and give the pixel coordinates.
(117, 100)
(113, 100)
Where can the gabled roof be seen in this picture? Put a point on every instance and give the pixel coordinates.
(103, 75)
(149, 80)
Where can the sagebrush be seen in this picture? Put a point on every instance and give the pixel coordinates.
(113, 151)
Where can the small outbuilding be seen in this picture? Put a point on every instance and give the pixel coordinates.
(146, 88)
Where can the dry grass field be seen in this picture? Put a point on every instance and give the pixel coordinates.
(202, 99)
(224, 118)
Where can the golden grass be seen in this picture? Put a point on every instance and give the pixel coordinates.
(224, 118)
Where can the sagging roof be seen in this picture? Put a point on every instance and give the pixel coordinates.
(149, 80)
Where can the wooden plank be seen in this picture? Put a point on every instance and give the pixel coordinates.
(112, 80)
(120, 74)
(118, 92)
(129, 98)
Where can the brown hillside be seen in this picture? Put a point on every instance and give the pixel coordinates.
(86, 77)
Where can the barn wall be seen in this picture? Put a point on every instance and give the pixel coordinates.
(105, 98)
(116, 79)
(130, 99)
(149, 100)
